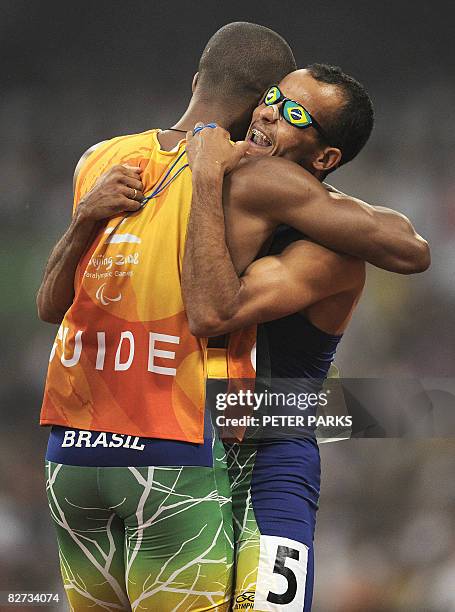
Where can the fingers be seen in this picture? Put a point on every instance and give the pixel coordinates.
(127, 182)
(123, 173)
(130, 179)
(242, 147)
(133, 193)
(133, 184)
(192, 133)
(213, 143)
(207, 131)
(126, 173)
(124, 204)
(128, 168)
(198, 127)
(130, 205)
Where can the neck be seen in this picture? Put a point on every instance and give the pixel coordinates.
(194, 113)
(198, 111)
(205, 111)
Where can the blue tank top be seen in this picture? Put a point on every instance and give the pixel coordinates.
(292, 347)
(293, 356)
(298, 349)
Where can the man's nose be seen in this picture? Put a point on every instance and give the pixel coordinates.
(270, 113)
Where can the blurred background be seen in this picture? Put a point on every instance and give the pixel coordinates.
(76, 73)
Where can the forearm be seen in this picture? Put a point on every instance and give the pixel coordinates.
(210, 284)
(56, 292)
(341, 223)
(406, 252)
(383, 237)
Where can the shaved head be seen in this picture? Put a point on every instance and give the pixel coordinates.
(241, 60)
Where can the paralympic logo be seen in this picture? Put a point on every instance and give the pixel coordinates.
(104, 299)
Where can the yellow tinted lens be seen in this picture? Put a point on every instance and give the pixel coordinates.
(272, 96)
(296, 114)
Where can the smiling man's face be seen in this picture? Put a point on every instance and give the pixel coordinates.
(269, 134)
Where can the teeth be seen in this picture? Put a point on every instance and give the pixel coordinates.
(259, 138)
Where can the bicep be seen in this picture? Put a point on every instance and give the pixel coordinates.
(284, 192)
(270, 290)
(272, 187)
(304, 274)
(281, 192)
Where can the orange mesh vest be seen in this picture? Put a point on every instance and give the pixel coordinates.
(124, 360)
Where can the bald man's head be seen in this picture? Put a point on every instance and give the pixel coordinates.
(241, 60)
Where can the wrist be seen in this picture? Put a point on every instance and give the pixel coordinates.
(82, 220)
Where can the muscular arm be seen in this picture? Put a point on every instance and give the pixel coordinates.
(56, 291)
(218, 301)
(286, 193)
(110, 196)
(272, 287)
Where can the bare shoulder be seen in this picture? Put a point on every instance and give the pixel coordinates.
(272, 170)
(266, 179)
(81, 162)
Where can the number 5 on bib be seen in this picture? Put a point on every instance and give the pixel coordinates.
(281, 575)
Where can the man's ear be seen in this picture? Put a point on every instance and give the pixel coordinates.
(195, 79)
(327, 159)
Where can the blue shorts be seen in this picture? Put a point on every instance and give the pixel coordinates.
(275, 493)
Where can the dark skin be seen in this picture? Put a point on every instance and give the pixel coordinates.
(383, 237)
(113, 194)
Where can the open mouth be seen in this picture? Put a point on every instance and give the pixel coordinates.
(259, 138)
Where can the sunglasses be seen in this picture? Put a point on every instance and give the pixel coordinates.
(293, 112)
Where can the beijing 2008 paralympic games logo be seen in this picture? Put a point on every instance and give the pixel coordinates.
(102, 265)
